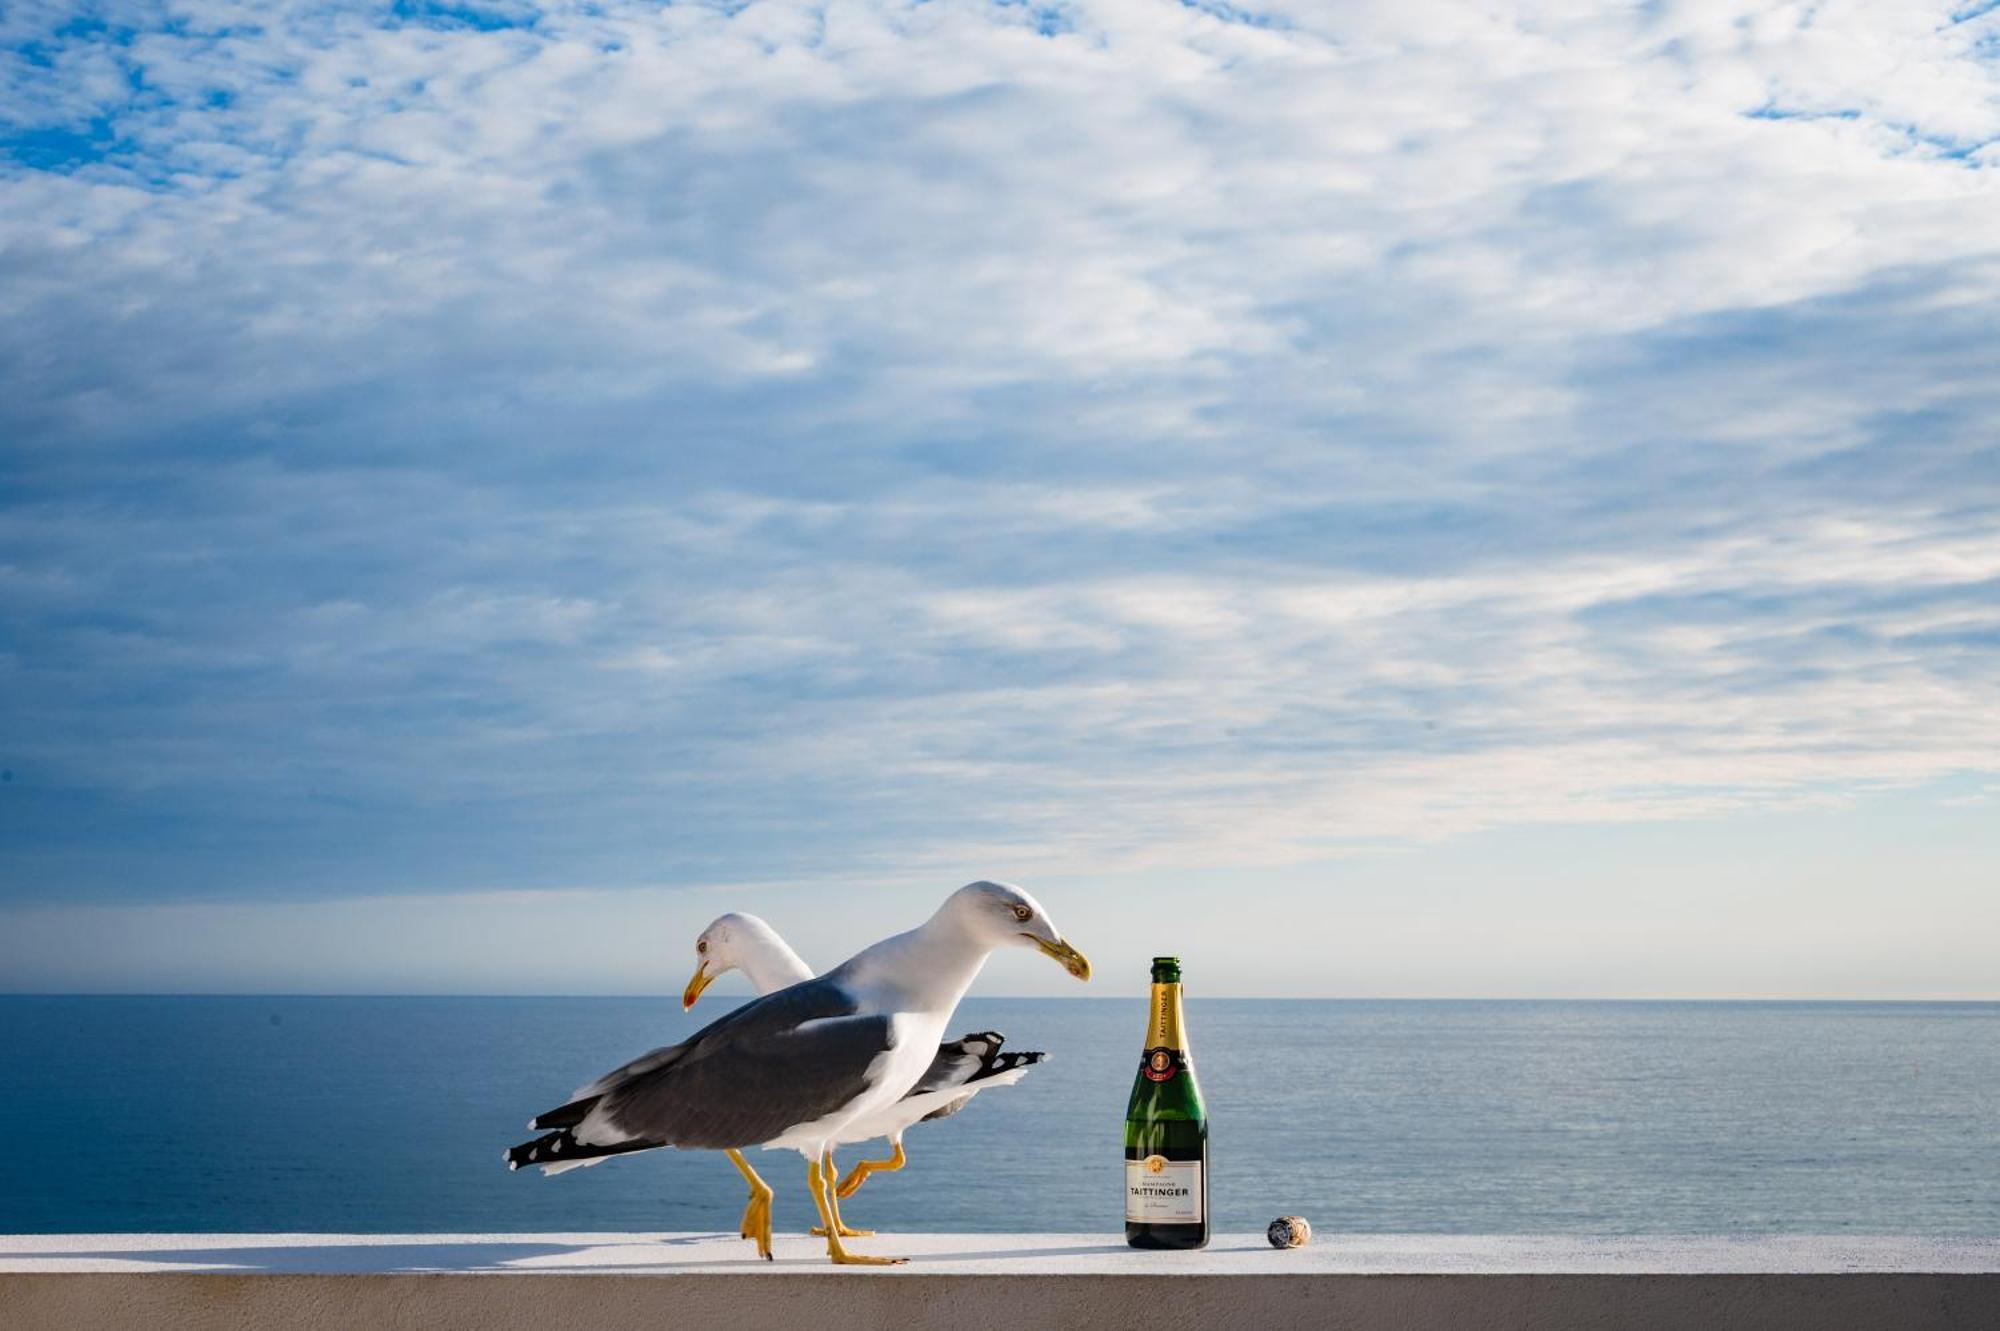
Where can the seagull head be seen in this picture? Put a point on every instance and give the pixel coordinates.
(1001, 913)
(745, 943)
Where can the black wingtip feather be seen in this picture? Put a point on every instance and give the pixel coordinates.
(995, 1064)
(562, 1148)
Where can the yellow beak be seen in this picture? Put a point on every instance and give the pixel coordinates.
(701, 981)
(1072, 960)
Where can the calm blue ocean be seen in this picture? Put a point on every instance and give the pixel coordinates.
(384, 1114)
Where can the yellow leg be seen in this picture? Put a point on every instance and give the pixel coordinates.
(863, 1168)
(757, 1215)
(822, 1192)
(831, 1174)
(833, 1201)
(746, 1229)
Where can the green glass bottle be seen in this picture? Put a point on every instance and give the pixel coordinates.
(1166, 1131)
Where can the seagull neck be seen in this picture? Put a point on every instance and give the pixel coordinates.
(771, 965)
(933, 964)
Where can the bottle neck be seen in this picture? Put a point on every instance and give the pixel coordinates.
(1164, 1029)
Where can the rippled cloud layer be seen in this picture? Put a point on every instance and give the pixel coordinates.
(516, 446)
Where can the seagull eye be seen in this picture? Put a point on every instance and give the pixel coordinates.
(1023, 914)
(702, 947)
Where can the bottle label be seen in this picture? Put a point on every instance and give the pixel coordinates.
(1162, 1064)
(1159, 1191)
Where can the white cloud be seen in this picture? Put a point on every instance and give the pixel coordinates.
(681, 443)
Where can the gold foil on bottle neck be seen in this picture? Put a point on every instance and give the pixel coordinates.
(1164, 1029)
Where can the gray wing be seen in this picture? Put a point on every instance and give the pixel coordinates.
(788, 1058)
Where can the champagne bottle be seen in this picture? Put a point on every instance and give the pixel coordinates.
(1166, 1131)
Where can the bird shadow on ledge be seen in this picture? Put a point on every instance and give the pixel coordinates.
(356, 1259)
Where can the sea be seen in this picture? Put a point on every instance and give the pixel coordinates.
(246, 1114)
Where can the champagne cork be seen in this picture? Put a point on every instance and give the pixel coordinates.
(1289, 1231)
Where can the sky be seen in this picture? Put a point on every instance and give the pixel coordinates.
(1379, 498)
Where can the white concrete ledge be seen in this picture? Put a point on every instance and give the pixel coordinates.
(608, 1281)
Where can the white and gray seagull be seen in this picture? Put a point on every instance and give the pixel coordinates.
(795, 1068)
(963, 1067)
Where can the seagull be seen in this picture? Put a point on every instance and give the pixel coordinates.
(963, 1067)
(797, 1067)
